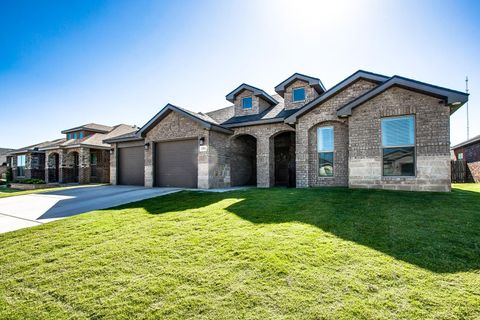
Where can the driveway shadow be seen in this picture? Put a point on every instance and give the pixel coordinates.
(436, 231)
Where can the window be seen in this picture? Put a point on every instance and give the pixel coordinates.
(325, 151)
(247, 103)
(398, 144)
(74, 135)
(93, 164)
(21, 165)
(298, 94)
(460, 156)
(80, 135)
(69, 136)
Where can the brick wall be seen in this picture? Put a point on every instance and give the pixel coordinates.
(306, 148)
(432, 141)
(310, 94)
(258, 104)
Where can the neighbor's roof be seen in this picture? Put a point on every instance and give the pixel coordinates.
(94, 127)
(314, 82)
(256, 92)
(202, 119)
(467, 142)
(455, 99)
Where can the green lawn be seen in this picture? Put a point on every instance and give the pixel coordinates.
(329, 253)
(9, 192)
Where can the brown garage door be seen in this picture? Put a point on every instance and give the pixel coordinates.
(131, 166)
(176, 164)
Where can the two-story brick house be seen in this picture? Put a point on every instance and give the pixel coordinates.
(80, 157)
(369, 130)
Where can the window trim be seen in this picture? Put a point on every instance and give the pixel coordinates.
(304, 94)
(414, 146)
(332, 151)
(251, 103)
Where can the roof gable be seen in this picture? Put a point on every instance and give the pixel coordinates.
(360, 74)
(314, 82)
(204, 121)
(455, 99)
(256, 92)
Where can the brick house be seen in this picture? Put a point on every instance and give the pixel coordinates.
(81, 156)
(469, 151)
(369, 131)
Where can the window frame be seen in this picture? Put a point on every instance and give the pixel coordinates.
(460, 156)
(414, 146)
(251, 103)
(304, 94)
(21, 168)
(332, 151)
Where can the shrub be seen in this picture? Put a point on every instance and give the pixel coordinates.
(9, 174)
(30, 181)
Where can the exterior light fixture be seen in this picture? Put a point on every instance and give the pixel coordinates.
(112, 150)
(147, 145)
(201, 141)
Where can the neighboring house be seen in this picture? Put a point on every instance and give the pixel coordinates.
(3, 160)
(369, 131)
(79, 157)
(469, 151)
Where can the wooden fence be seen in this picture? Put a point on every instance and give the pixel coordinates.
(460, 172)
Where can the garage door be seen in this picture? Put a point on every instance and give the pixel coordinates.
(176, 164)
(131, 166)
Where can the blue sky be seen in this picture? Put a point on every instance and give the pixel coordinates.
(66, 63)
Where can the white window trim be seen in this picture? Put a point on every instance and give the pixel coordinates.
(332, 151)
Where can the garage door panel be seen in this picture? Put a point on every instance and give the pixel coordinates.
(177, 163)
(131, 166)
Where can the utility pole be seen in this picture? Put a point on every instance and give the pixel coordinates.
(468, 124)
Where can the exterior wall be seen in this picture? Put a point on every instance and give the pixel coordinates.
(306, 149)
(103, 166)
(34, 163)
(176, 127)
(340, 156)
(310, 94)
(432, 142)
(258, 104)
(471, 153)
(218, 160)
(265, 149)
(474, 168)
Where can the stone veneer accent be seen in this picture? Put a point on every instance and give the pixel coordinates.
(432, 141)
(306, 148)
(310, 94)
(258, 104)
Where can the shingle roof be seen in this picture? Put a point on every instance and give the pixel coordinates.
(131, 136)
(256, 91)
(39, 146)
(90, 127)
(467, 142)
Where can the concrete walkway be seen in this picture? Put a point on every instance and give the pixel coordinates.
(30, 210)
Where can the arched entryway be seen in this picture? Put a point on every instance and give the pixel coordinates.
(243, 161)
(53, 167)
(284, 149)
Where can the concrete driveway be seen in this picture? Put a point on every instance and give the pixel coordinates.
(30, 210)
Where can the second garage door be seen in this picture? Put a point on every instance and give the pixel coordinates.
(131, 166)
(176, 164)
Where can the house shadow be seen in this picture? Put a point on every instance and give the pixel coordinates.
(435, 231)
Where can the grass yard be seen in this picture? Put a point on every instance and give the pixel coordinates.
(9, 192)
(330, 253)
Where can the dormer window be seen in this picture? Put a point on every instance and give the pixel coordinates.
(247, 103)
(80, 135)
(298, 94)
(69, 136)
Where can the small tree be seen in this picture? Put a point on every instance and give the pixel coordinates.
(9, 175)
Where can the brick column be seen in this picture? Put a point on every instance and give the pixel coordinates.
(84, 166)
(264, 162)
(149, 164)
(113, 164)
(61, 166)
(301, 150)
(47, 167)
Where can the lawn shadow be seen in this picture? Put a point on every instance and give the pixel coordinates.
(436, 231)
